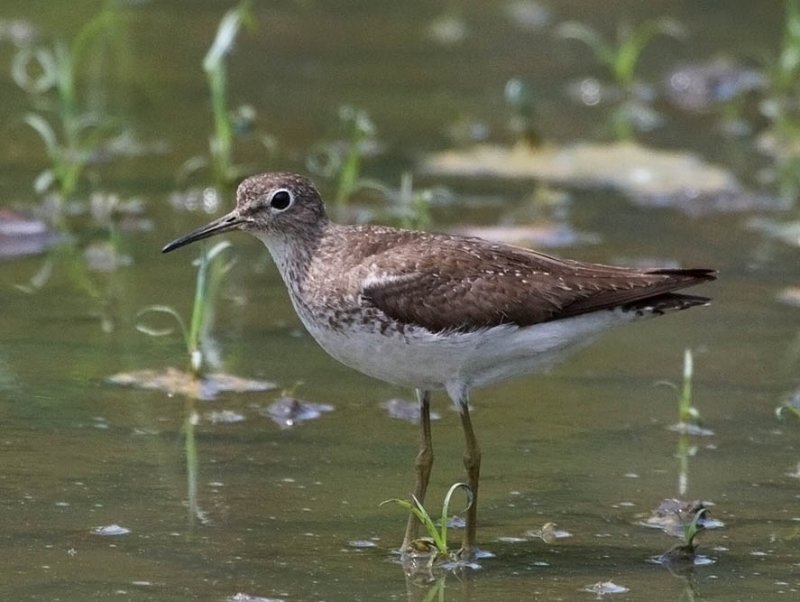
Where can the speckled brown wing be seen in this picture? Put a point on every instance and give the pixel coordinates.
(476, 284)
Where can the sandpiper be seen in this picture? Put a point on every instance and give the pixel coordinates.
(434, 311)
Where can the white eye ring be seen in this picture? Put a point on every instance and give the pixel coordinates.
(281, 200)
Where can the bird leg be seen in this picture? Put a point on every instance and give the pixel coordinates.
(472, 463)
(422, 465)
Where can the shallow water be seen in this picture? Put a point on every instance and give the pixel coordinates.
(276, 509)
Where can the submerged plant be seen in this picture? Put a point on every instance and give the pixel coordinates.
(210, 272)
(436, 543)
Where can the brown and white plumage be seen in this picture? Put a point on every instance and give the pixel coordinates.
(434, 311)
(485, 284)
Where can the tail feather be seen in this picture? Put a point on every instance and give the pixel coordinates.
(661, 304)
(697, 275)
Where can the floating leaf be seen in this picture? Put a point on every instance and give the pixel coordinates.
(650, 177)
(604, 588)
(110, 530)
(289, 411)
(178, 382)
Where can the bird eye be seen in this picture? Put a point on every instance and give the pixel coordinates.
(281, 200)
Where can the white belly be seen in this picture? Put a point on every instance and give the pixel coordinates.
(462, 361)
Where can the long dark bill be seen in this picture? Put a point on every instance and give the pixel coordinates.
(226, 223)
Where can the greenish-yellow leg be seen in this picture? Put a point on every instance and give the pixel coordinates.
(423, 463)
(472, 464)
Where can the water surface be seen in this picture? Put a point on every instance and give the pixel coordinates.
(586, 447)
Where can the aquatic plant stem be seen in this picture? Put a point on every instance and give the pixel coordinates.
(221, 142)
(199, 314)
(209, 278)
(360, 128)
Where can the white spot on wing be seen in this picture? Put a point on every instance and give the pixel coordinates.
(379, 280)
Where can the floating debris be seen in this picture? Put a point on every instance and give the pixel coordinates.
(699, 87)
(423, 556)
(405, 409)
(21, 236)
(549, 533)
(688, 428)
(456, 522)
(511, 539)
(290, 411)
(223, 417)
(242, 597)
(604, 588)
(649, 177)
(362, 544)
(673, 516)
(682, 558)
(177, 382)
(110, 530)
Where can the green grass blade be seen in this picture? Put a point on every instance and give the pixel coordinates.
(418, 510)
(42, 127)
(159, 332)
(446, 507)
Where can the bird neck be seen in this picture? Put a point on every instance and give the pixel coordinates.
(292, 252)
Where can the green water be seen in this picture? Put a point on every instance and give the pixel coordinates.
(586, 447)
